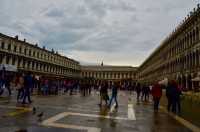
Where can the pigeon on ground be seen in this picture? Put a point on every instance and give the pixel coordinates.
(40, 115)
(34, 110)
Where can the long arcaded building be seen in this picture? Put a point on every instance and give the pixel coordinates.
(178, 56)
(40, 61)
(109, 73)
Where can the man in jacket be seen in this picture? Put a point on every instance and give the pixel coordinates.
(156, 93)
(28, 83)
(114, 95)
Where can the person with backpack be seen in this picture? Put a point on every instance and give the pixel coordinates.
(28, 82)
(138, 91)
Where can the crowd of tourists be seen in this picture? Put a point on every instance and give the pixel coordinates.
(173, 92)
(26, 84)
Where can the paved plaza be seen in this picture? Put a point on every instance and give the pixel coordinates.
(76, 113)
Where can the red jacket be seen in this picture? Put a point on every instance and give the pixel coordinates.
(156, 91)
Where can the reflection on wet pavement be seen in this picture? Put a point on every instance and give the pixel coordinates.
(82, 114)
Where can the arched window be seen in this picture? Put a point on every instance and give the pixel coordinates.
(15, 48)
(7, 59)
(24, 63)
(29, 64)
(194, 36)
(197, 58)
(9, 47)
(2, 45)
(197, 34)
(13, 61)
(1, 58)
(20, 49)
(19, 61)
(25, 51)
(29, 52)
(38, 55)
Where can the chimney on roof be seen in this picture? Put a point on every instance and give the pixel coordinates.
(102, 63)
(24, 40)
(52, 50)
(194, 9)
(16, 37)
(36, 45)
(44, 47)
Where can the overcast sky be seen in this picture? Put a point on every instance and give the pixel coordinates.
(118, 32)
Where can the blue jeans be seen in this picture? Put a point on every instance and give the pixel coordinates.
(27, 95)
(156, 103)
(2, 83)
(114, 96)
(45, 90)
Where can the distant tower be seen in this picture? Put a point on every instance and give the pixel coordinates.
(102, 63)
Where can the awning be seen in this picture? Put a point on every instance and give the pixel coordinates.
(12, 68)
(196, 79)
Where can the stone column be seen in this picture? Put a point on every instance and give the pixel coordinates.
(21, 63)
(4, 59)
(10, 60)
(26, 63)
(16, 62)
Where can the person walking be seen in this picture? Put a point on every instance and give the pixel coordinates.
(114, 94)
(178, 101)
(20, 86)
(145, 93)
(8, 80)
(2, 80)
(169, 92)
(175, 95)
(28, 82)
(138, 90)
(104, 94)
(156, 93)
(46, 87)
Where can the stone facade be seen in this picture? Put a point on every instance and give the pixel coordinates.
(178, 56)
(29, 57)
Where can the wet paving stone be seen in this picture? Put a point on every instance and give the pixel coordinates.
(89, 115)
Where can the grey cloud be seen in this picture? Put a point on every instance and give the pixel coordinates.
(116, 31)
(55, 13)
